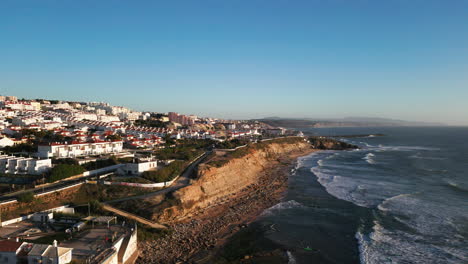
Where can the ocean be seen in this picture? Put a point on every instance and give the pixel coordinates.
(400, 198)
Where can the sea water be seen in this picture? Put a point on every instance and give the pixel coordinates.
(400, 198)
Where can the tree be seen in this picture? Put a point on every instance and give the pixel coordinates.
(26, 197)
(114, 137)
(63, 171)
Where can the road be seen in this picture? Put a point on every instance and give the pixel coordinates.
(182, 181)
(50, 187)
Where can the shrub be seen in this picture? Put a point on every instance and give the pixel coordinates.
(63, 171)
(147, 233)
(94, 165)
(167, 173)
(26, 197)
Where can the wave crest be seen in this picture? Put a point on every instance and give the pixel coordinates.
(277, 208)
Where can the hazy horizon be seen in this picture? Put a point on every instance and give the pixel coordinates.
(245, 59)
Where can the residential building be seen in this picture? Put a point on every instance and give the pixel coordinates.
(76, 149)
(181, 119)
(9, 250)
(139, 167)
(46, 254)
(20, 165)
(6, 142)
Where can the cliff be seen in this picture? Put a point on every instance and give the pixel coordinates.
(228, 173)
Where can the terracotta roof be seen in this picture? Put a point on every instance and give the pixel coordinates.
(9, 246)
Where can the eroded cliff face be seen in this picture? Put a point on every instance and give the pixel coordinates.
(216, 183)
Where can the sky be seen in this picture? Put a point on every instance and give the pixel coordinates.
(243, 58)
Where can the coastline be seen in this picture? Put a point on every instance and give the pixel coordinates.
(200, 237)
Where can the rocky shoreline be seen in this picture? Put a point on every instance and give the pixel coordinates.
(196, 239)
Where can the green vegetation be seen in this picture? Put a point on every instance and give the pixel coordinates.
(95, 206)
(148, 233)
(63, 171)
(23, 147)
(132, 180)
(90, 192)
(26, 197)
(114, 137)
(68, 161)
(42, 136)
(241, 152)
(151, 123)
(125, 160)
(329, 143)
(94, 165)
(231, 144)
(50, 238)
(167, 173)
(185, 149)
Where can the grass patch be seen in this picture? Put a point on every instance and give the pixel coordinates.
(242, 152)
(148, 233)
(167, 173)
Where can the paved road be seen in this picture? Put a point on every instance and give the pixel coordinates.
(182, 181)
(48, 188)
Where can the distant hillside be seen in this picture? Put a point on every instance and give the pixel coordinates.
(345, 122)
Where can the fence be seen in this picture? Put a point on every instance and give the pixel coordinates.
(29, 216)
(101, 170)
(150, 185)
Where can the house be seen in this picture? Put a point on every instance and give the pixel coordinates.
(57, 255)
(76, 149)
(275, 131)
(21, 165)
(43, 217)
(9, 250)
(47, 254)
(139, 167)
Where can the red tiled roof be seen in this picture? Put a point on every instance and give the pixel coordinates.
(9, 246)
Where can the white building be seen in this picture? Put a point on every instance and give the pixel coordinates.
(5, 142)
(9, 250)
(20, 165)
(47, 254)
(76, 149)
(108, 118)
(139, 168)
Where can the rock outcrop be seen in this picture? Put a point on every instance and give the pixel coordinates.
(236, 173)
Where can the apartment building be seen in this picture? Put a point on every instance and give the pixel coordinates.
(77, 149)
(21, 252)
(20, 165)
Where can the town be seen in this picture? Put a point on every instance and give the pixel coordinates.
(62, 164)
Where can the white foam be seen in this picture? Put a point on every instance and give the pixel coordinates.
(277, 208)
(418, 156)
(382, 205)
(369, 158)
(405, 148)
(363, 242)
(291, 259)
(320, 163)
(385, 246)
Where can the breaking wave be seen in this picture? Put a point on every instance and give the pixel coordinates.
(369, 158)
(277, 208)
(291, 259)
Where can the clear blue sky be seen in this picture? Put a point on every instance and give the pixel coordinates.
(240, 59)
